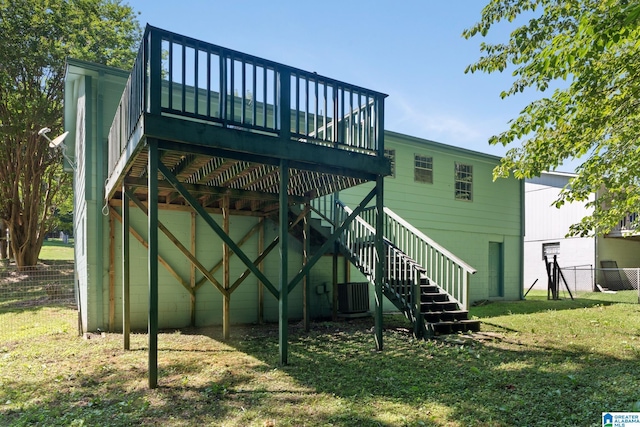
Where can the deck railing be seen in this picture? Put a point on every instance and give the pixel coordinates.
(191, 79)
(628, 226)
(129, 111)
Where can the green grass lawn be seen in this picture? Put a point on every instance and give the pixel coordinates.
(56, 250)
(535, 363)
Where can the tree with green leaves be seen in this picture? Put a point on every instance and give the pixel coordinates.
(590, 51)
(37, 37)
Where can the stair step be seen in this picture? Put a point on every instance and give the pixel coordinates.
(427, 288)
(448, 327)
(433, 297)
(446, 316)
(442, 328)
(438, 306)
(432, 316)
(472, 325)
(455, 315)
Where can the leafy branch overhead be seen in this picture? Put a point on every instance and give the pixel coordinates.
(37, 37)
(590, 51)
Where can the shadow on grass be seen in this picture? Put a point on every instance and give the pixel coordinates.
(479, 384)
(334, 377)
(104, 396)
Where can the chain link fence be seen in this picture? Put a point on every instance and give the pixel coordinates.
(580, 278)
(43, 292)
(586, 278)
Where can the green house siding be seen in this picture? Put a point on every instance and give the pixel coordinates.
(465, 228)
(92, 96)
(92, 93)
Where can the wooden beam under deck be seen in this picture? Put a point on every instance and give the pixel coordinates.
(260, 148)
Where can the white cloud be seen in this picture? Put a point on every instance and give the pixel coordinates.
(421, 121)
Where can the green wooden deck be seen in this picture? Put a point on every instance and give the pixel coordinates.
(223, 120)
(209, 129)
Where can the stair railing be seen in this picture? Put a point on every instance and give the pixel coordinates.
(402, 274)
(441, 267)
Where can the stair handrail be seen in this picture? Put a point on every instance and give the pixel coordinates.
(441, 266)
(401, 275)
(429, 241)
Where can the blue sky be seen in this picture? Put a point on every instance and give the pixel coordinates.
(411, 50)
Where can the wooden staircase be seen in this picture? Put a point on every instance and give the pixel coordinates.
(441, 315)
(408, 283)
(434, 312)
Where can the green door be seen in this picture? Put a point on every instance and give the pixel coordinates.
(495, 270)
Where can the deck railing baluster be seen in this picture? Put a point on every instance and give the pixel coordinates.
(244, 94)
(254, 95)
(183, 87)
(297, 112)
(232, 85)
(264, 96)
(222, 99)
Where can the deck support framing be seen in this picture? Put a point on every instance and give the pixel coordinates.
(380, 261)
(152, 221)
(126, 276)
(283, 230)
(285, 286)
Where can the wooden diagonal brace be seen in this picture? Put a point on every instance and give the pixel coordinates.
(162, 261)
(179, 245)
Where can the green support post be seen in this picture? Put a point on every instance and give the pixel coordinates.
(334, 282)
(283, 305)
(226, 298)
(126, 303)
(152, 200)
(379, 240)
(305, 258)
(380, 259)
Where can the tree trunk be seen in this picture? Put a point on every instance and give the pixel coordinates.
(25, 243)
(4, 253)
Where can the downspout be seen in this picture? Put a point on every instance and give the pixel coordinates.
(522, 233)
(99, 197)
(595, 262)
(596, 255)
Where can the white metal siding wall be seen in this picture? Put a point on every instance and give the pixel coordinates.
(547, 224)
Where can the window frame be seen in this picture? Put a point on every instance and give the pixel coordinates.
(426, 170)
(463, 185)
(390, 153)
